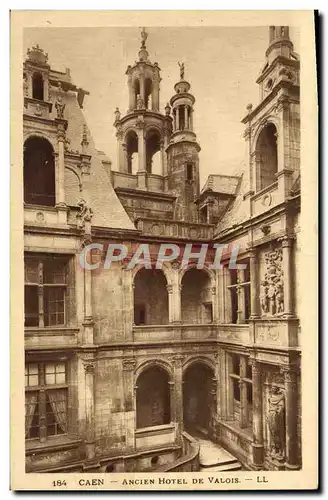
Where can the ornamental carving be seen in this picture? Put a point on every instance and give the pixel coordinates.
(272, 287)
(140, 102)
(59, 104)
(89, 366)
(129, 364)
(276, 423)
(84, 215)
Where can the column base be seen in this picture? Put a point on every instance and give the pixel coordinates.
(142, 180)
(292, 467)
(62, 210)
(258, 455)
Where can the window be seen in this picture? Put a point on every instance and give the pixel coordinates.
(189, 172)
(241, 397)
(239, 290)
(45, 291)
(45, 400)
(267, 164)
(37, 87)
(39, 172)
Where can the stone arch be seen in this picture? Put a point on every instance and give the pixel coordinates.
(39, 172)
(132, 150)
(150, 297)
(166, 268)
(197, 303)
(265, 121)
(266, 149)
(41, 135)
(153, 396)
(193, 265)
(148, 363)
(199, 396)
(153, 139)
(206, 360)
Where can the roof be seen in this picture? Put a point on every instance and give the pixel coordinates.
(108, 212)
(225, 184)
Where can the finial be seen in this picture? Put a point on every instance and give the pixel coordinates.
(249, 107)
(182, 68)
(144, 36)
(167, 109)
(84, 142)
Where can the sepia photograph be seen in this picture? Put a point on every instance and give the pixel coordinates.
(158, 190)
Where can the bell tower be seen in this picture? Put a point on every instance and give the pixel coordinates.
(273, 126)
(182, 152)
(144, 131)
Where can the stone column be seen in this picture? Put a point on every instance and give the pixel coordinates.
(132, 99)
(177, 402)
(254, 283)
(290, 375)
(155, 95)
(171, 302)
(176, 295)
(142, 160)
(129, 365)
(175, 117)
(257, 414)
(88, 319)
(191, 119)
(186, 125)
(61, 136)
(241, 297)
(142, 88)
(124, 156)
(163, 169)
(89, 367)
(227, 294)
(243, 395)
(287, 259)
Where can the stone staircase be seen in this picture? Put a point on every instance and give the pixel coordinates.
(214, 458)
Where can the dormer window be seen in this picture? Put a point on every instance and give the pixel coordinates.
(37, 87)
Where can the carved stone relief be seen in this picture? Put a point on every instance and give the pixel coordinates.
(276, 423)
(272, 287)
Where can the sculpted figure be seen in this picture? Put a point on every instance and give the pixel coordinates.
(85, 214)
(279, 298)
(276, 422)
(140, 103)
(117, 114)
(181, 70)
(59, 105)
(272, 297)
(264, 297)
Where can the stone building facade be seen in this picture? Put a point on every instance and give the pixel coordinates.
(122, 365)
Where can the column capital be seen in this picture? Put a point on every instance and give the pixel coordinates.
(169, 288)
(290, 373)
(287, 240)
(129, 364)
(177, 360)
(256, 367)
(89, 366)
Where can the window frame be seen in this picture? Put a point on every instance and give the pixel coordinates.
(240, 312)
(43, 288)
(41, 389)
(241, 412)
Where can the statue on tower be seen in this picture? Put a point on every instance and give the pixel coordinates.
(182, 68)
(144, 36)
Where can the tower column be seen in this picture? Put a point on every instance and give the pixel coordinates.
(142, 174)
(191, 119)
(174, 120)
(186, 117)
(61, 163)
(132, 103)
(163, 166)
(124, 158)
(155, 95)
(142, 88)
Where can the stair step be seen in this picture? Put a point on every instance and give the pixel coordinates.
(222, 468)
(229, 461)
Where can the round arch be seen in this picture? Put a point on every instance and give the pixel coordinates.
(165, 268)
(144, 365)
(198, 396)
(196, 360)
(196, 296)
(150, 294)
(39, 172)
(263, 123)
(266, 148)
(153, 397)
(208, 271)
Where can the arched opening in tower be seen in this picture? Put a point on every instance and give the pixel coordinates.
(196, 297)
(136, 87)
(148, 93)
(150, 298)
(153, 397)
(198, 400)
(132, 152)
(37, 87)
(266, 149)
(181, 117)
(39, 172)
(153, 154)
